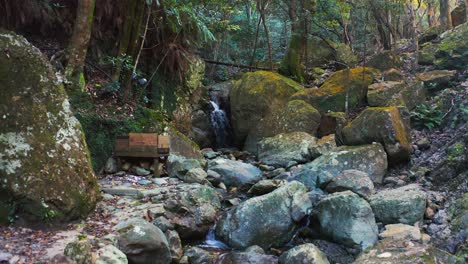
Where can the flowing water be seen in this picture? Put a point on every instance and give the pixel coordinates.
(212, 243)
(220, 124)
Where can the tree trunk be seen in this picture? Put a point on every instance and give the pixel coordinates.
(431, 18)
(79, 43)
(445, 16)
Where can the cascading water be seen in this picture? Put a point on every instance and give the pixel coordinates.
(220, 124)
(211, 242)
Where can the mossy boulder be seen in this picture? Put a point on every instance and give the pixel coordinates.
(452, 53)
(45, 168)
(384, 125)
(385, 60)
(296, 116)
(341, 85)
(459, 14)
(426, 55)
(436, 80)
(430, 35)
(392, 75)
(396, 94)
(254, 96)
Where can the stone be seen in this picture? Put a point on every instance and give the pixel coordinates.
(111, 166)
(44, 162)
(426, 54)
(140, 171)
(391, 251)
(286, 150)
(351, 180)
(401, 232)
(235, 173)
(436, 80)
(178, 166)
(247, 257)
(183, 146)
(295, 116)
(370, 159)
(57, 259)
(79, 251)
(272, 218)
(305, 253)
(265, 186)
(143, 242)
(175, 245)
(331, 122)
(110, 255)
(404, 205)
(430, 35)
(452, 51)
(254, 96)
(123, 191)
(347, 219)
(331, 96)
(196, 175)
(392, 75)
(385, 125)
(335, 253)
(458, 14)
(390, 93)
(384, 61)
(197, 255)
(324, 145)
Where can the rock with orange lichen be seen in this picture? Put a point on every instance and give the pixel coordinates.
(385, 125)
(345, 87)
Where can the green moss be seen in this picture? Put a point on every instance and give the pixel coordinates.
(454, 153)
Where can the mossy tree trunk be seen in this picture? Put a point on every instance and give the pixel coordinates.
(293, 62)
(79, 42)
(445, 16)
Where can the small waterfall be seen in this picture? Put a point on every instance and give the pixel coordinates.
(211, 242)
(220, 124)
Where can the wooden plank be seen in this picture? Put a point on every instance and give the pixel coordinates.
(141, 139)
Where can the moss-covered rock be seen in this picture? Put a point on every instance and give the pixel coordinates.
(44, 161)
(452, 52)
(385, 60)
(380, 124)
(254, 96)
(459, 14)
(426, 55)
(296, 116)
(396, 94)
(392, 75)
(436, 80)
(341, 85)
(430, 35)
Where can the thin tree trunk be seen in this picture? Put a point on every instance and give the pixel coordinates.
(431, 18)
(79, 42)
(445, 16)
(252, 59)
(267, 34)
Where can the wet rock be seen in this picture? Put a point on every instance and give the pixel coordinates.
(110, 255)
(286, 150)
(143, 242)
(295, 116)
(44, 162)
(79, 251)
(235, 173)
(254, 96)
(401, 232)
(331, 96)
(370, 159)
(273, 218)
(385, 125)
(306, 253)
(404, 205)
(351, 180)
(247, 257)
(175, 245)
(347, 219)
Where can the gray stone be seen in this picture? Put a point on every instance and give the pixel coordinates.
(265, 186)
(404, 205)
(178, 166)
(306, 253)
(110, 255)
(196, 175)
(352, 180)
(140, 171)
(111, 166)
(285, 150)
(347, 219)
(235, 173)
(79, 251)
(175, 245)
(324, 145)
(143, 242)
(370, 159)
(272, 218)
(247, 257)
(197, 255)
(401, 232)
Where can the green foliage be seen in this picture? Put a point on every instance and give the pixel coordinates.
(124, 61)
(427, 116)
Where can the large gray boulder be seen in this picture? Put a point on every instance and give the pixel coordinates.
(352, 180)
(178, 166)
(143, 242)
(235, 173)
(286, 150)
(110, 255)
(306, 253)
(370, 159)
(404, 205)
(347, 219)
(266, 221)
(44, 161)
